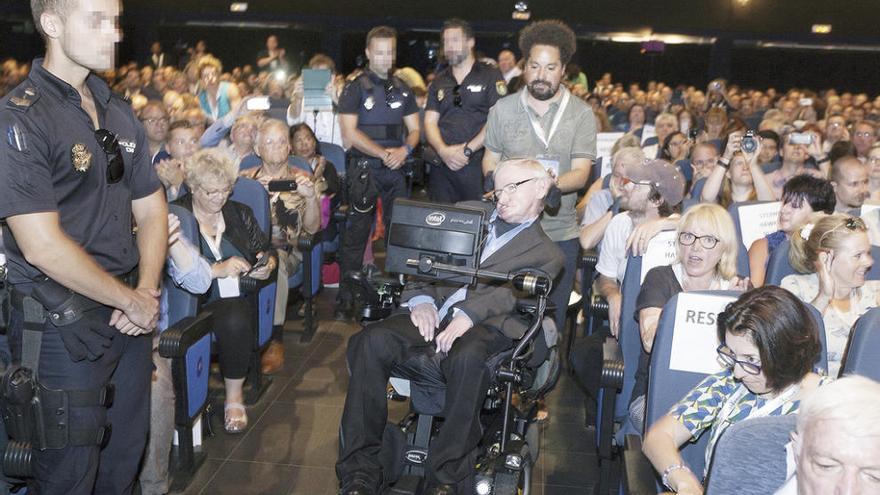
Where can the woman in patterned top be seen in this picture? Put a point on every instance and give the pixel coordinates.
(769, 342)
(833, 256)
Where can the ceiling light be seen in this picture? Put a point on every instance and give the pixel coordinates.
(821, 28)
(238, 7)
(521, 11)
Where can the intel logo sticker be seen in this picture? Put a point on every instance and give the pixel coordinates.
(435, 219)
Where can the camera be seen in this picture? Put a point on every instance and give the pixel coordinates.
(749, 143)
(282, 185)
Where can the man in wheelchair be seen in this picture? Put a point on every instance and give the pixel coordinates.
(457, 326)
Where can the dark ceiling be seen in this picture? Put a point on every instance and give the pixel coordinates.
(851, 19)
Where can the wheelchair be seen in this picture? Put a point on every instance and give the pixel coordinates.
(510, 443)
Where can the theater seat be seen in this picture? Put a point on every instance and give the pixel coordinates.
(862, 355)
(779, 267)
(750, 457)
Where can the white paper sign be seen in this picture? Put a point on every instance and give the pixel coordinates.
(695, 337)
(868, 207)
(647, 133)
(604, 142)
(228, 287)
(758, 220)
(661, 251)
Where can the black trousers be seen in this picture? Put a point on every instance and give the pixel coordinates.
(234, 329)
(391, 185)
(372, 354)
(452, 186)
(127, 364)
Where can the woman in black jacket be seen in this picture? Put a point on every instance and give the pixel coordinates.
(236, 246)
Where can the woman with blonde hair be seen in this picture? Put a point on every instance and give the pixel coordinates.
(707, 249)
(832, 255)
(216, 98)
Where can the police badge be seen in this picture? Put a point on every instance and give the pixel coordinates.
(501, 88)
(440, 94)
(81, 157)
(368, 103)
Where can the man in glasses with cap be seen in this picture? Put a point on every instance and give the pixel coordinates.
(455, 119)
(76, 180)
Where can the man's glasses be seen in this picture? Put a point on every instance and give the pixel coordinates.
(109, 143)
(862, 134)
(509, 188)
(624, 181)
(456, 95)
(688, 239)
(728, 359)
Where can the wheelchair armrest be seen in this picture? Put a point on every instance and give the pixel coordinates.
(176, 339)
(638, 476)
(599, 306)
(612, 364)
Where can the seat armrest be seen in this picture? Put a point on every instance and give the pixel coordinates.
(307, 242)
(589, 259)
(176, 339)
(599, 306)
(638, 475)
(612, 364)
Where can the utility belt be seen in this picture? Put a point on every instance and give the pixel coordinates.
(33, 413)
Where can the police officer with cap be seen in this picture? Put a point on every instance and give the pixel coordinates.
(86, 233)
(455, 118)
(379, 120)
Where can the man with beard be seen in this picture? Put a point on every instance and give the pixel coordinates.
(455, 119)
(543, 121)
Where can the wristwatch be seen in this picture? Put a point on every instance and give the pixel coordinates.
(468, 152)
(409, 149)
(724, 163)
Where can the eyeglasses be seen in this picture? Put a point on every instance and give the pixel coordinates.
(509, 188)
(162, 120)
(874, 160)
(688, 239)
(109, 143)
(626, 180)
(226, 191)
(456, 95)
(728, 359)
(863, 134)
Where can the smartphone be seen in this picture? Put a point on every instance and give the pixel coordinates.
(806, 102)
(282, 185)
(258, 103)
(801, 138)
(263, 261)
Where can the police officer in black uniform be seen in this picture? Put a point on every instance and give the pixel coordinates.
(379, 117)
(455, 118)
(75, 179)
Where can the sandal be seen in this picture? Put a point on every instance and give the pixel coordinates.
(235, 425)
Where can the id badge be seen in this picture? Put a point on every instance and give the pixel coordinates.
(550, 163)
(228, 287)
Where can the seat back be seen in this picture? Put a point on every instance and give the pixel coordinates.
(182, 304)
(252, 194)
(628, 337)
(749, 458)
(778, 266)
(683, 354)
(298, 162)
(334, 154)
(862, 355)
(753, 220)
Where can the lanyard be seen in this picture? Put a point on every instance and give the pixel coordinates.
(213, 242)
(722, 421)
(536, 125)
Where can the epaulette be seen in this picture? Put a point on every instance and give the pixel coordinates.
(22, 98)
(354, 75)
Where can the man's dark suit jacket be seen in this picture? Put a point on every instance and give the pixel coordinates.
(493, 304)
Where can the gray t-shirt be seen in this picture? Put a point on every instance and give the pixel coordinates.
(509, 132)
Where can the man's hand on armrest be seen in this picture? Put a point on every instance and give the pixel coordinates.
(456, 328)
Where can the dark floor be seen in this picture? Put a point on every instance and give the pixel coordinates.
(291, 443)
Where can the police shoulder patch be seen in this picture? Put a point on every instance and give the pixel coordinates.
(22, 98)
(501, 88)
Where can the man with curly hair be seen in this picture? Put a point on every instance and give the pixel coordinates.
(545, 122)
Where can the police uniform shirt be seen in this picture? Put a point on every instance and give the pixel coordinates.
(52, 161)
(464, 107)
(381, 105)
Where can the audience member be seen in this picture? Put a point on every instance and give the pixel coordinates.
(273, 58)
(832, 254)
(737, 177)
(769, 342)
(603, 204)
(156, 122)
(183, 142)
(216, 97)
(794, 158)
(324, 122)
(802, 196)
(864, 137)
(508, 65)
(850, 180)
